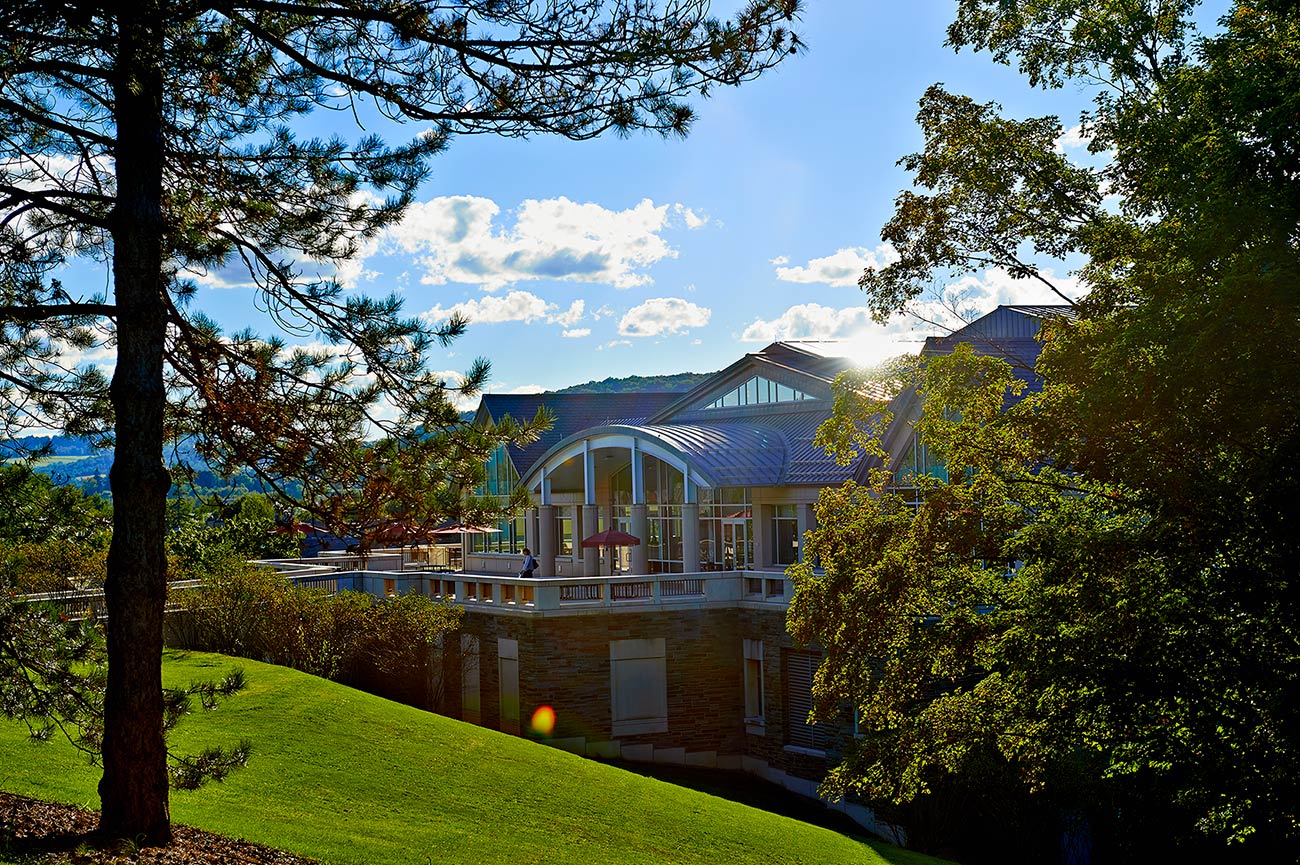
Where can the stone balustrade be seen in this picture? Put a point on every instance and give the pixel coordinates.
(567, 595)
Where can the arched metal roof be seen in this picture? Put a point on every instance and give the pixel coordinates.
(715, 455)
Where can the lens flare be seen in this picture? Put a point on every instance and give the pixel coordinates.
(543, 722)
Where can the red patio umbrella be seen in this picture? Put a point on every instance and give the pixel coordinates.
(399, 532)
(611, 538)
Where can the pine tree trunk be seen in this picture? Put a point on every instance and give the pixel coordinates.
(133, 790)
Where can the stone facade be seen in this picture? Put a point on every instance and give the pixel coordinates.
(564, 663)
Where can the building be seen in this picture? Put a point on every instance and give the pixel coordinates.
(722, 477)
(673, 650)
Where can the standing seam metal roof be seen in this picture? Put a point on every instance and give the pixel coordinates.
(728, 454)
(574, 412)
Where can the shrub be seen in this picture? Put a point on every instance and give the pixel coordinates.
(52, 566)
(351, 637)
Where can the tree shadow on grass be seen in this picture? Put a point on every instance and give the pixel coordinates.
(752, 791)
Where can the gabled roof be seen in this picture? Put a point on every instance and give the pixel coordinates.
(766, 444)
(1009, 332)
(808, 366)
(573, 412)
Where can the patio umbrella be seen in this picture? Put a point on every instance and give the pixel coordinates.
(611, 538)
(400, 532)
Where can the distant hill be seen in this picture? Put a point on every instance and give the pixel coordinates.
(75, 458)
(679, 383)
(59, 446)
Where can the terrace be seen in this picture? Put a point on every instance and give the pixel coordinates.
(550, 596)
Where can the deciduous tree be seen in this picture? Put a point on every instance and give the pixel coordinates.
(157, 135)
(1098, 593)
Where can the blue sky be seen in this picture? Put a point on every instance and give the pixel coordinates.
(580, 260)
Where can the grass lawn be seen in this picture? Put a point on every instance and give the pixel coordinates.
(347, 777)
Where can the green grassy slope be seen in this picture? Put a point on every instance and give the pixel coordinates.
(350, 778)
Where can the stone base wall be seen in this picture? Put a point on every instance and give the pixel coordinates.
(564, 663)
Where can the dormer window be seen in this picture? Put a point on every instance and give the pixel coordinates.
(758, 391)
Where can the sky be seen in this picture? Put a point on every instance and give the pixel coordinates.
(581, 260)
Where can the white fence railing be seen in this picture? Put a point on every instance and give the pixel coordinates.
(90, 604)
(561, 594)
(546, 595)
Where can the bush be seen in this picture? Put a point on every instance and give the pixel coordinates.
(52, 566)
(199, 548)
(253, 612)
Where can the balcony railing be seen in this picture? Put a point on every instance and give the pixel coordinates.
(540, 595)
(78, 604)
(558, 595)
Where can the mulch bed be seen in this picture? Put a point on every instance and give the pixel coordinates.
(45, 832)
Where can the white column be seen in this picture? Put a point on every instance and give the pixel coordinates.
(760, 520)
(545, 541)
(590, 555)
(640, 528)
(530, 530)
(804, 515)
(588, 474)
(638, 482)
(690, 537)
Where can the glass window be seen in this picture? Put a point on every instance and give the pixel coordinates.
(499, 481)
(664, 544)
(564, 531)
(726, 531)
(785, 535)
(754, 709)
(758, 391)
(508, 684)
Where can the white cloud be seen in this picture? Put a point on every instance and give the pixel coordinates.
(461, 239)
(661, 315)
(516, 306)
(977, 294)
(692, 219)
(863, 339)
(1072, 138)
(842, 267)
(102, 353)
(469, 403)
(576, 333)
(572, 315)
(613, 343)
(868, 342)
(350, 272)
(809, 321)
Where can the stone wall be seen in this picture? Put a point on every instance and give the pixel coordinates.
(564, 663)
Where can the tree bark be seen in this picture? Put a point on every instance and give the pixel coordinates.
(133, 790)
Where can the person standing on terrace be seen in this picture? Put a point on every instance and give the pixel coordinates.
(530, 563)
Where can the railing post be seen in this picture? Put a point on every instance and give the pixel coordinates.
(723, 589)
(546, 597)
